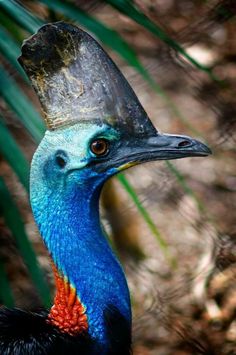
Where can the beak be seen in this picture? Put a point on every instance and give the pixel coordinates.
(160, 147)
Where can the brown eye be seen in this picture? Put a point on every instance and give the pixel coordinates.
(99, 147)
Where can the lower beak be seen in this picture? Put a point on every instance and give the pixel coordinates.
(162, 147)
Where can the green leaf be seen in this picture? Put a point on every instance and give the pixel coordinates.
(130, 10)
(10, 26)
(182, 181)
(6, 295)
(21, 105)
(11, 51)
(13, 155)
(21, 16)
(14, 221)
(146, 216)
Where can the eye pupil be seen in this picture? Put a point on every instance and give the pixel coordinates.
(60, 161)
(99, 147)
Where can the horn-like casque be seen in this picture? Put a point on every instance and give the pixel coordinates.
(76, 81)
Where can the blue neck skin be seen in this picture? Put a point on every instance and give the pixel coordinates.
(68, 220)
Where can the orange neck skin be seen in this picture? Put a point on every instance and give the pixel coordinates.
(67, 313)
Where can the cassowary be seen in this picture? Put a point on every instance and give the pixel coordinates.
(96, 128)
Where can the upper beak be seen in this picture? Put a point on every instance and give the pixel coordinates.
(162, 147)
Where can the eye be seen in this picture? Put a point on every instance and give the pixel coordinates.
(99, 147)
(61, 160)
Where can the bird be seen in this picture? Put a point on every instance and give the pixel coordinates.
(96, 128)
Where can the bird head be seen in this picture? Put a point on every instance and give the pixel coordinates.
(96, 125)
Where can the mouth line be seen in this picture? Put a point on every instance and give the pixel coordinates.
(137, 158)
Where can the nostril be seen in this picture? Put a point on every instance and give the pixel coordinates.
(183, 144)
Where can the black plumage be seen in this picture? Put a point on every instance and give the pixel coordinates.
(26, 333)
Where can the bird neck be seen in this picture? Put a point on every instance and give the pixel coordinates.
(89, 279)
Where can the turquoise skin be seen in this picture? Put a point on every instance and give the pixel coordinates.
(65, 203)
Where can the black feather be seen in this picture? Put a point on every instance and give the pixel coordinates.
(118, 332)
(28, 333)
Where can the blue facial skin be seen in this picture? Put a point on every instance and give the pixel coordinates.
(65, 203)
